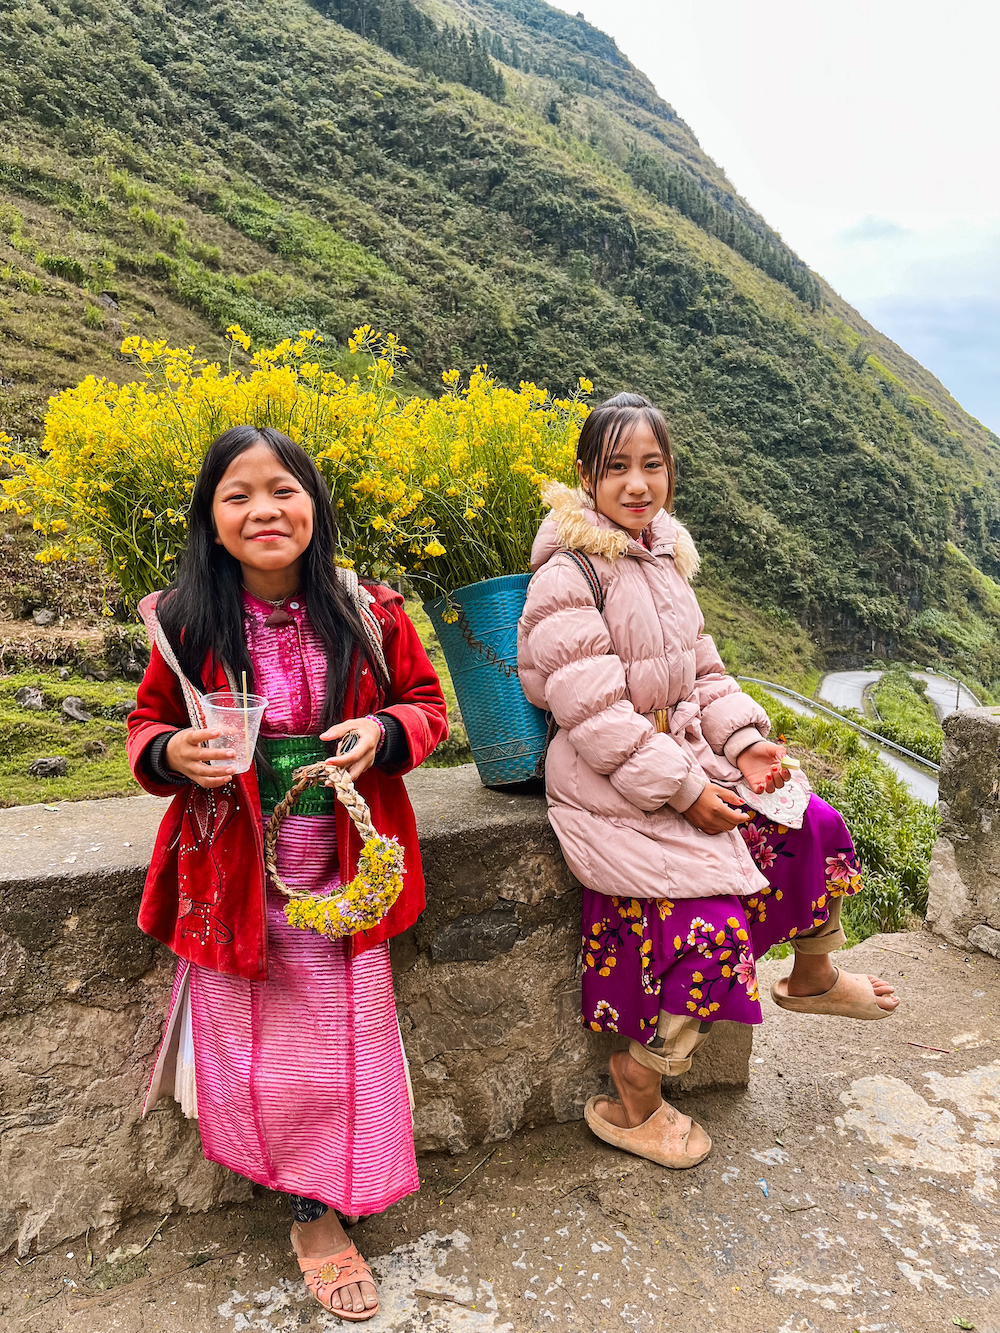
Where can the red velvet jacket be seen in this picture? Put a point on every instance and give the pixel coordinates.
(204, 893)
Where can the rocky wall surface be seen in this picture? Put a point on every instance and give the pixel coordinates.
(964, 888)
(487, 986)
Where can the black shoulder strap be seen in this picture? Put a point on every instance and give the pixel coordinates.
(588, 571)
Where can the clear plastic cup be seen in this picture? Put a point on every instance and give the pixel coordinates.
(239, 719)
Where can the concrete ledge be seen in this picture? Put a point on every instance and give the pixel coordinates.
(487, 987)
(964, 887)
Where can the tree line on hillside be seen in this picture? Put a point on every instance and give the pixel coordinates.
(768, 253)
(401, 29)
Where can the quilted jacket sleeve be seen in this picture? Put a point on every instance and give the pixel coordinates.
(730, 719)
(567, 664)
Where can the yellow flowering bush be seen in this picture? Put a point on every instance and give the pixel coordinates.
(360, 905)
(444, 490)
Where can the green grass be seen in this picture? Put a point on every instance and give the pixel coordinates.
(906, 715)
(315, 181)
(754, 641)
(94, 751)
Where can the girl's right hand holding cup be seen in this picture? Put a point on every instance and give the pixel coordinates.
(713, 811)
(186, 754)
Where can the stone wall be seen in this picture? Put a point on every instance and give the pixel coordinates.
(964, 890)
(487, 987)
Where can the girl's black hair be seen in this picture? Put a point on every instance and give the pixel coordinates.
(202, 612)
(610, 424)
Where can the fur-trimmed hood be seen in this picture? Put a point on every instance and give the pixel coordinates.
(574, 525)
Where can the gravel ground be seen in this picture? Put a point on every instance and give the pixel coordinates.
(853, 1186)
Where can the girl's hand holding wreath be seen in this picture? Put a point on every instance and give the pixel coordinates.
(360, 757)
(186, 754)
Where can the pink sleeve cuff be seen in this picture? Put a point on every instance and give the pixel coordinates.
(689, 791)
(739, 741)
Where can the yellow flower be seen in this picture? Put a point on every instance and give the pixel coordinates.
(410, 480)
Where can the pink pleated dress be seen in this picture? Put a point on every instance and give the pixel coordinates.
(301, 1081)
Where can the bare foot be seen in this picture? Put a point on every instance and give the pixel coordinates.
(638, 1091)
(815, 974)
(322, 1238)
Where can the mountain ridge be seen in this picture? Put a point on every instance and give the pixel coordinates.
(205, 163)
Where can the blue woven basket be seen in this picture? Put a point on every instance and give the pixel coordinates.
(507, 734)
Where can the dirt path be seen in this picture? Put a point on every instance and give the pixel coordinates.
(852, 1186)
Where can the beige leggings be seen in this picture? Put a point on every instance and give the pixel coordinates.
(825, 938)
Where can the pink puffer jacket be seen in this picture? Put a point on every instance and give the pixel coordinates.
(615, 786)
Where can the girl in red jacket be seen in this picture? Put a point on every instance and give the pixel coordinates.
(283, 1042)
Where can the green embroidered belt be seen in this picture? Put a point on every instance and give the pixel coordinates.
(285, 754)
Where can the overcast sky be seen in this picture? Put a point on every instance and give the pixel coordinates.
(868, 133)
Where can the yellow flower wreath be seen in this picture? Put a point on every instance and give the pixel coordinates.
(361, 904)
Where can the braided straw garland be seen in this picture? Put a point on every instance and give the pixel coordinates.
(359, 905)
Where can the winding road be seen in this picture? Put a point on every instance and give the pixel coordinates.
(846, 689)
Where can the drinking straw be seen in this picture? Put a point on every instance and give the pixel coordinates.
(246, 720)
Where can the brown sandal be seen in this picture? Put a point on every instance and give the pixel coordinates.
(325, 1277)
(850, 996)
(648, 1139)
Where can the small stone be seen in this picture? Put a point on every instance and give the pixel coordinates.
(64, 673)
(73, 708)
(985, 938)
(28, 697)
(94, 749)
(123, 708)
(53, 767)
(43, 617)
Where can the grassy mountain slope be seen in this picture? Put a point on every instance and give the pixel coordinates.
(168, 168)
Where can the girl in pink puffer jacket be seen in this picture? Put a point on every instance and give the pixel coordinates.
(684, 886)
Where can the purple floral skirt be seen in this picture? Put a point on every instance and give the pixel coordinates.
(698, 955)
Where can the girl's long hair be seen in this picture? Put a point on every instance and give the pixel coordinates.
(202, 612)
(610, 424)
